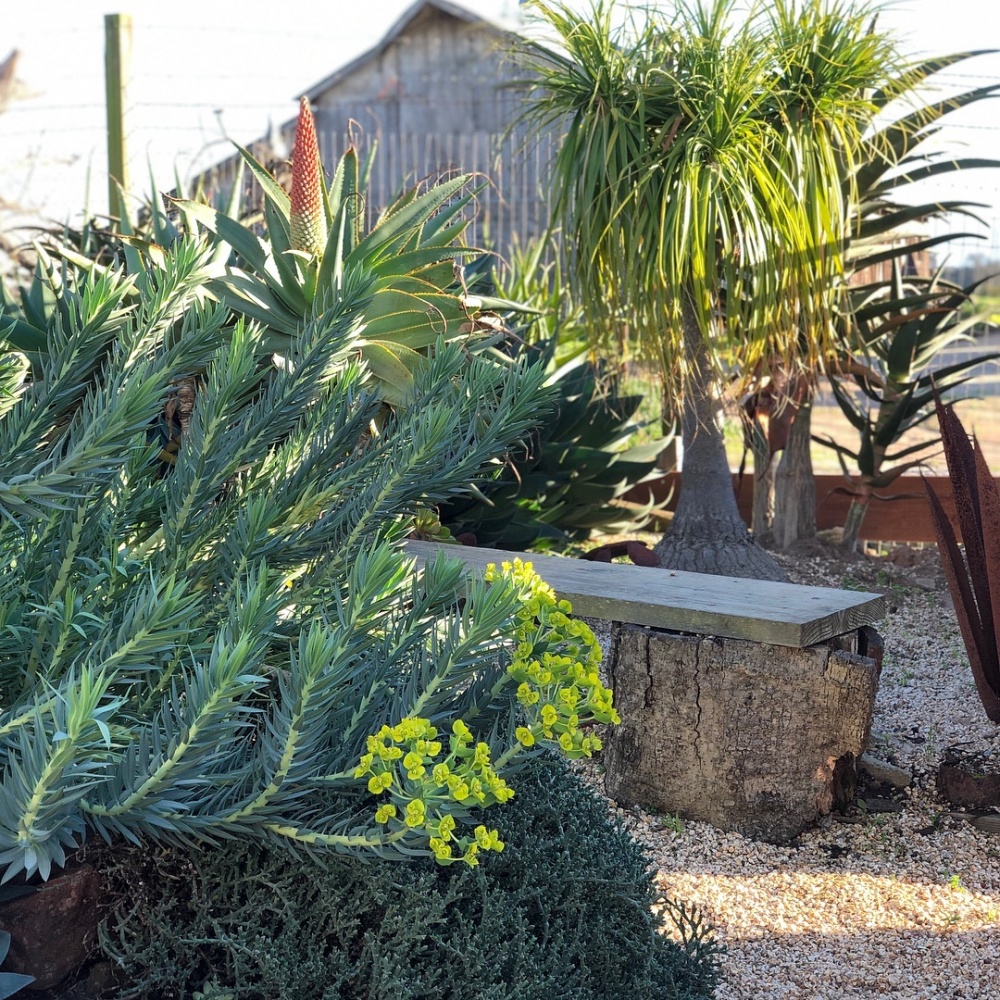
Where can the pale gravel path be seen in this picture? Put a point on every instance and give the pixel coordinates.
(901, 905)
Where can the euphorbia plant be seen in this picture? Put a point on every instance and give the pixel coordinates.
(213, 650)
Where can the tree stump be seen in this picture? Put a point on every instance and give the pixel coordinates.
(747, 736)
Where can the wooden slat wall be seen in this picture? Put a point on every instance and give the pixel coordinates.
(904, 518)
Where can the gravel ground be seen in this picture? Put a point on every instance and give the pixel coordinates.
(902, 904)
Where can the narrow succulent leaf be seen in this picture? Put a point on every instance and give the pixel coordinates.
(133, 261)
(962, 471)
(929, 170)
(248, 245)
(405, 220)
(847, 405)
(913, 449)
(912, 248)
(254, 299)
(989, 505)
(273, 191)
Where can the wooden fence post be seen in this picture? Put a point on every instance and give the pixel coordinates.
(117, 70)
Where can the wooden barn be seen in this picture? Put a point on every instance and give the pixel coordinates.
(436, 95)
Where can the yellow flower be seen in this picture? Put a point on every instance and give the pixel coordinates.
(442, 851)
(385, 812)
(524, 736)
(378, 783)
(488, 840)
(416, 813)
(526, 694)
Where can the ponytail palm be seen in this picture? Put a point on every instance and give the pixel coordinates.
(700, 191)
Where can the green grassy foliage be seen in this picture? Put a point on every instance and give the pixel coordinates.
(565, 914)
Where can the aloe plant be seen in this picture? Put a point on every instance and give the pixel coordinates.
(887, 387)
(562, 485)
(406, 270)
(891, 158)
(974, 581)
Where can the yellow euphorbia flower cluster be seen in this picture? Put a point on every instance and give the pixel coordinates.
(405, 761)
(555, 666)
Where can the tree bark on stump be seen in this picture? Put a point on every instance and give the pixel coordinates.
(746, 736)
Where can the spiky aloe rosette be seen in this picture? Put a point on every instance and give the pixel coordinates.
(315, 254)
(307, 220)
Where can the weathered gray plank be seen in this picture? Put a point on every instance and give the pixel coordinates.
(782, 613)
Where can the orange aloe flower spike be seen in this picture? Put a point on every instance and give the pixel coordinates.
(308, 217)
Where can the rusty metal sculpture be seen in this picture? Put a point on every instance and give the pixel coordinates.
(974, 581)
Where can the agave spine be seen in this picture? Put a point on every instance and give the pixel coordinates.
(308, 216)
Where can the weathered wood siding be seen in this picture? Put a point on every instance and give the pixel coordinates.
(785, 614)
(435, 100)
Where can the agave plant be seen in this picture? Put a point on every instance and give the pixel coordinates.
(562, 486)
(406, 270)
(974, 581)
(900, 329)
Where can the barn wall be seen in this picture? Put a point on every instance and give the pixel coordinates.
(435, 102)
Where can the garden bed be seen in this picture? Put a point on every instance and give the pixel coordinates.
(899, 895)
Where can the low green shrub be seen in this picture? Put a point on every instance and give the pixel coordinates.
(563, 913)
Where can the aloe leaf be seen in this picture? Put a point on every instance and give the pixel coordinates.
(914, 448)
(411, 216)
(933, 170)
(249, 246)
(254, 299)
(272, 189)
(23, 336)
(829, 442)
(386, 363)
(848, 406)
(920, 245)
(892, 416)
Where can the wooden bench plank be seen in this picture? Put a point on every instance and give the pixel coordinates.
(782, 613)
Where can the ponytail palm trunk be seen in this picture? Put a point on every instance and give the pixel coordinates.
(708, 533)
(699, 188)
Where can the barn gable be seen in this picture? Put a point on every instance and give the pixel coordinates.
(436, 95)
